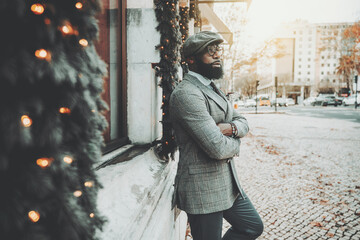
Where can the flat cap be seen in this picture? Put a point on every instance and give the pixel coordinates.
(199, 41)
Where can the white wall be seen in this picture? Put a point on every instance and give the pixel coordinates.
(144, 94)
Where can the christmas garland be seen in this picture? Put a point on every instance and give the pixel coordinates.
(170, 41)
(184, 29)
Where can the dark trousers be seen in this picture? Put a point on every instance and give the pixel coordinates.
(246, 223)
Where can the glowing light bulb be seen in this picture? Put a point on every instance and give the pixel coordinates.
(77, 193)
(89, 184)
(64, 110)
(93, 110)
(92, 215)
(37, 9)
(26, 121)
(43, 54)
(68, 159)
(34, 216)
(83, 42)
(44, 162)
(79, 5)
(67, 29)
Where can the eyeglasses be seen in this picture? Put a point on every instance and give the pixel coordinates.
(212, 49)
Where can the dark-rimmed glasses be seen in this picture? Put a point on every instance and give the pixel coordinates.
(212, 49)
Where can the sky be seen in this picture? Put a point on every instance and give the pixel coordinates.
(265, 15)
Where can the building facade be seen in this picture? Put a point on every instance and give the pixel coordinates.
(314, 55)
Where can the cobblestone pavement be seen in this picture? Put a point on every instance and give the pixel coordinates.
(303, 176)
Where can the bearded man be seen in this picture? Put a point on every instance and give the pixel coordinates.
(208, 132)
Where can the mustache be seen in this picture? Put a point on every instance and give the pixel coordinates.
(216, 61)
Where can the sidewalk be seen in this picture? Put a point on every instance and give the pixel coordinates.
(303, 176)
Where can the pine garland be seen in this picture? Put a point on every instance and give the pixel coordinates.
(51, 123)
(167, 15)
(184, 29)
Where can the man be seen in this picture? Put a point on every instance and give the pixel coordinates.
(208, 133)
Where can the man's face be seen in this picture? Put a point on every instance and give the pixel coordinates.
(209, 62)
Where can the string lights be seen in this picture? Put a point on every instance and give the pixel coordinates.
(77, 193)
(44, 162)
(43, 54)
(79, 5)
(37, 8)
(68, 159)
(26, 121)
(64, 110)
(83, 42)
(89, 184)
(34, 216)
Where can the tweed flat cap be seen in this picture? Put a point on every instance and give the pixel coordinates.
(199, 41)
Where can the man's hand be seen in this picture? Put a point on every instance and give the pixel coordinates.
(225, 129)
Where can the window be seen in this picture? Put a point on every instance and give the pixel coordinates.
(308, 73)
(322, 73)
(308, 66)
(328, 56)
(299, 59)
(322, 64)
(112, 49)
(322, 57)
(334, 64)
(299, 73)
(334, 80)
(309, 59)
(334, 56)
(299, 66)
(328, 64)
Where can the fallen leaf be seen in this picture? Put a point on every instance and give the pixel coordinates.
(317, 224)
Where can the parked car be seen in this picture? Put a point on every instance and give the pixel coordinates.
(330, 100)
(264, 101)
(290, 102)
(339, 100)
(279, 102)
(309, 101)
(351, 100)
(250, 103)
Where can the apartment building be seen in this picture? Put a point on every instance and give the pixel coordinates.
(316, 50)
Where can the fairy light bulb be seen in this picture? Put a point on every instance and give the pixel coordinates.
(64, 110)
(37, 8)
(83, 42)
(67, 29)
(44, 162)
(92, 215)
(89, 184)
(26, 121)
(43, 54)
(68, 159)
(34, 216)
(79, 5)
(77, 193)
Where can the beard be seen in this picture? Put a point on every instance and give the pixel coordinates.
(209, 71)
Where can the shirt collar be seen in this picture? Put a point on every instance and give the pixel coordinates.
(201, 78)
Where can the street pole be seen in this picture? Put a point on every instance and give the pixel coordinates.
(356, 88)
(256, 100)
(276, 84)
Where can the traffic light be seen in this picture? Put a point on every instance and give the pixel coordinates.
(356, 77)
(257, 83)
(276, 82)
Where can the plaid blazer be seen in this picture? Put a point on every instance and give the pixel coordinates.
(206, 180)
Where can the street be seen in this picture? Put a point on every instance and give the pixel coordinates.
(301, 169)
(348, 113)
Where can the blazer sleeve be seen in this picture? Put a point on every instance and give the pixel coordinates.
(241, 124)
(188, 108)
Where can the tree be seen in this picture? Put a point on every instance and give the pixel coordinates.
(349, 61)
(51, 123)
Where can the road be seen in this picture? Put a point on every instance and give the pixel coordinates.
(347, 113)
(301, 170)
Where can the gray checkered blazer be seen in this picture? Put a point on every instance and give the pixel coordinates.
(206, 179)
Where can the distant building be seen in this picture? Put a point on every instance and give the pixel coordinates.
(313, 51)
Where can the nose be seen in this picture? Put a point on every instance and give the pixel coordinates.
(216, 55)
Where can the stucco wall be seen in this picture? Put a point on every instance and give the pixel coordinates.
(144, 94)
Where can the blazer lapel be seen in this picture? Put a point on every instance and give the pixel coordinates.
(221, 102)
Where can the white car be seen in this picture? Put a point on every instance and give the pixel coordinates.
(310, 101)
(238, 103)
(290, 102)
(351, 100)
(250, 103)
